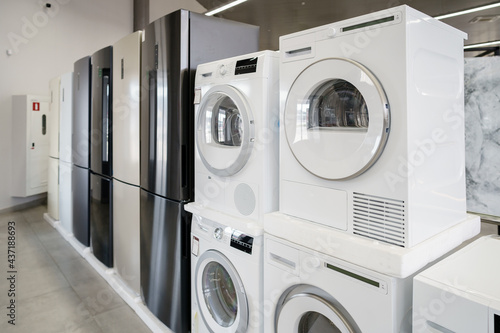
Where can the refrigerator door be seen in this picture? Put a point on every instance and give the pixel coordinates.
(53, 189)
(65, 117)
(126, 232)
(101, 226)
(165, 265)
(65, 202)
(164, 110)
(100, 138)
(53, 115)
(80, 195)
(81, 113)
(126, 97)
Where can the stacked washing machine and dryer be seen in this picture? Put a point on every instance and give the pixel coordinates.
(372, 179)
(236, 183)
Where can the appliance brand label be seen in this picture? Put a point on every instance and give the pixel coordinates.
(36, 106)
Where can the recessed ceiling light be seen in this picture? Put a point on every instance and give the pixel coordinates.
(468, 11)
(224, 7)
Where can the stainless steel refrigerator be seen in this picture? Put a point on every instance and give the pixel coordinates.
(101, 200)
(172, 48)
(80, 157)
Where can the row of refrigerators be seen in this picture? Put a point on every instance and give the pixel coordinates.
(127, 152)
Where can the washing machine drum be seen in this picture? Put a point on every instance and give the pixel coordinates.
(336, 119)
(304, 311)
(224, 130)
(220, 294)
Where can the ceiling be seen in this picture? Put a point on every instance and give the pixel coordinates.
(280, 17)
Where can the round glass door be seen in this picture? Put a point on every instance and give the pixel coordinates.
(310, 313)
(220, 294)
(224, 130)
(336, 119)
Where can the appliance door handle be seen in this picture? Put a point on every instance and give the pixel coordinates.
(153, 102)
(105, 114)
(281, 260)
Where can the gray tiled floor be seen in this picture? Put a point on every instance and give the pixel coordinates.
(56, 289)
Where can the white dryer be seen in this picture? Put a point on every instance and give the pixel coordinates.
(307, 291)
(372, 139)
(461, 293)
(226, 268)
(237, 117)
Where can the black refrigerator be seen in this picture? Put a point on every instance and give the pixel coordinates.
(101, 209)
(172, 48)
(80, 150)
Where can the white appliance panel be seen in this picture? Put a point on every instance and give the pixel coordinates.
(65, 196)
(66, 116)
(55, 87)
(53, 188)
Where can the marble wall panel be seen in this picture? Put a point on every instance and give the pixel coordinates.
(482, 134)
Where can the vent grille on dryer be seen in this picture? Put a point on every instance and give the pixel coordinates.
(379, 218)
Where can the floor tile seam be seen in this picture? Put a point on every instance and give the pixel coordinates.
(21, 299)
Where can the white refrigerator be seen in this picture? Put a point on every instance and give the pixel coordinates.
(53, 128)
(126, 155)
(65, 152)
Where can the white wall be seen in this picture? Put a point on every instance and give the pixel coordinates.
(159, 8)
(45, 44)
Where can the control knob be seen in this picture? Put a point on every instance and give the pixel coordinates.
(218, 233)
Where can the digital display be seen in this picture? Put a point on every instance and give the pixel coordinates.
(496, 324)
(246, 66)
(353, 275)
(241, 242)
(368, 24)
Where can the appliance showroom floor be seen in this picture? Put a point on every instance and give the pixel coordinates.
(56, 290)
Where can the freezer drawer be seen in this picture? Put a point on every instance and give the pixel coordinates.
(101, 218)
(126, 231)
(165, 260)
(80, 195)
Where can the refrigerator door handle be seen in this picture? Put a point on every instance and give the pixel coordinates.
(105, 114)
(152, 113)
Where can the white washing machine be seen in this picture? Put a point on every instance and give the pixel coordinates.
(372, 139)
(226, 269)
(307, 291)
(461, 293)
(237, 118)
